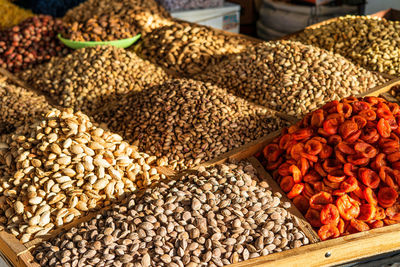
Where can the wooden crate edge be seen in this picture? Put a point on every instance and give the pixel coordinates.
(298, 217)
(334, 251)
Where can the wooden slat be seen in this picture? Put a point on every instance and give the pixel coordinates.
(297, 216)
(14, 250)
(341, 250)
(244, 151)
(377, 91)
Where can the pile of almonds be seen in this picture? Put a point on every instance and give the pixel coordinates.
(143, 15)
(290, 77)
(215, 217)
(31, 42)
(187, 48)
(90, 77)
(19, 106)
(104, 28)
(372, 42)
(62, 168)
(187, 121)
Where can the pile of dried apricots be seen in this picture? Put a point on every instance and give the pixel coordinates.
(340, 165)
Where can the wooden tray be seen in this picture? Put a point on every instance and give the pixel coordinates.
(319, 253)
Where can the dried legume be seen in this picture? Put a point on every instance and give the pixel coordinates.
(19, 106)
(63, 167)
(187, 121)
(143, 15)
(219, 216)
(290, 77)
(187, 49)
(369, 41)
(90, 77)
(31, 42)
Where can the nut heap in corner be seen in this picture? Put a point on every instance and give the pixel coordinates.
(290, 77)
(372, 42)
(188, 121)
(215, 217)
(62, 168)
(90, 77)
(188, 49)
(18, 106)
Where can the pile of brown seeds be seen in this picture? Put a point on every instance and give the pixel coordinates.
(103, 28)
(188, 121)
(290, 77)
(143, 15)
(187, 48)
(63, 168)
(90, 77)
(219, 216)
(19, 106)
(372, 42)
(30, 43)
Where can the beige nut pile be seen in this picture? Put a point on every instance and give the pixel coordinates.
(216, 217)
(187, 49)
(62, 169)
(290, 77)
(19, 106)
(143, 15)
(372, 42)
(188, 121)
(90, 77)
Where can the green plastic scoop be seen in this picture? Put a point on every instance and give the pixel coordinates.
(124, 43)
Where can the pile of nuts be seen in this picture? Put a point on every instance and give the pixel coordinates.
(187, 48)
(143, 15)
(61, 169)
(290, 77)
(104, 28)
(187, 121)
(31, 42)
(372, 42)
(19, 106)
(90, 77)
(12, 14)
(341, 165)
(218, 216)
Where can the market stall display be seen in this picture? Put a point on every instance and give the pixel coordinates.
(187, 222)
(62, 167)
(90, 77)
(369, 41)
(340, 165)
(187, 49)
(187, 121)
(31, 42)
(19, 106)
(11, 14)
(152, 168)
(290, 77)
